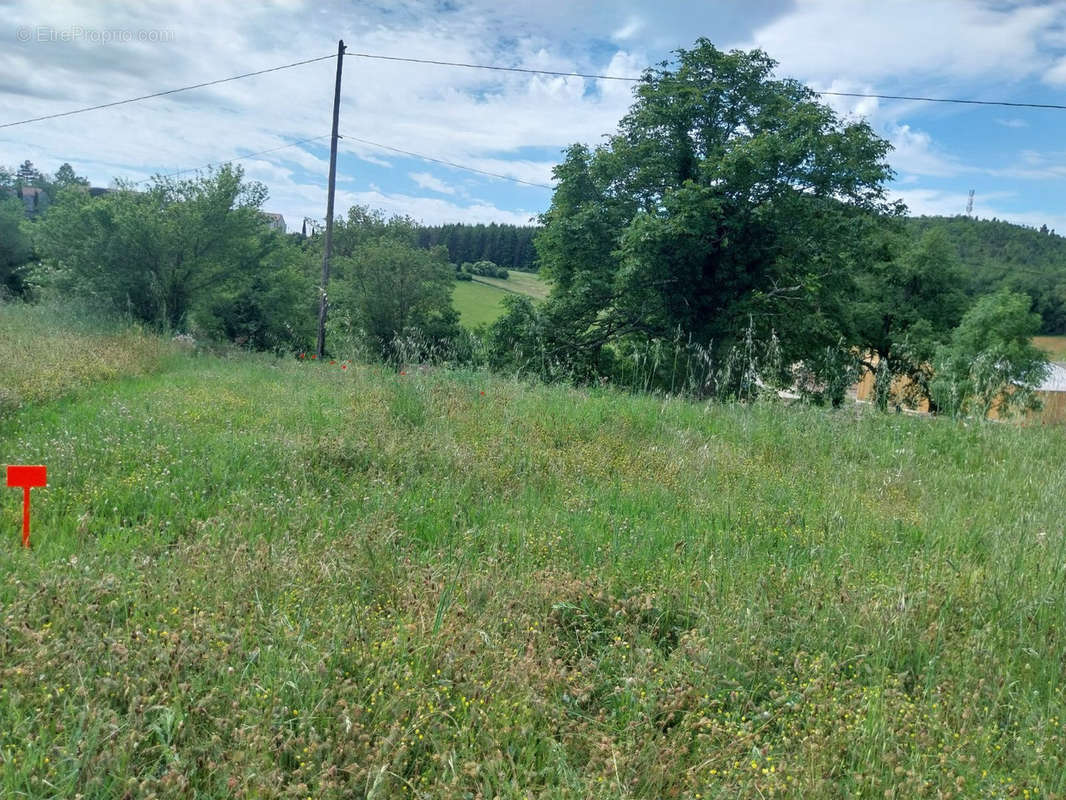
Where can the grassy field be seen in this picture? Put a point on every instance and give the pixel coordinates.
(527, 283)
(272, 579)
(47, 351)
(480, 301)
(1055, 346)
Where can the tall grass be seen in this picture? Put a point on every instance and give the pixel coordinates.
(51, 349)
(749, 369)
(271, 578)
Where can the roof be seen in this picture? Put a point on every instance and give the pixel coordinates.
(1055, 380)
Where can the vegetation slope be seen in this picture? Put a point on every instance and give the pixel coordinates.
(480, 300)
(277, 579)
(996, 254)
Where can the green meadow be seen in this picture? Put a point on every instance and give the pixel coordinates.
(480, 301)
(266, 578)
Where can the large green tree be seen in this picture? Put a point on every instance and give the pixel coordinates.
(66, 177)
(28, 175)
(272, 307)
(727, 196)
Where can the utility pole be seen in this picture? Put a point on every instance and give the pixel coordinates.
(323, 301)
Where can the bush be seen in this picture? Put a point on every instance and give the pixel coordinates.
(990, 362)
(485, 269)
(274, 311)
(390, 288)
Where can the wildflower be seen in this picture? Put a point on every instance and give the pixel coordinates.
(403, 372)
(482, 392)
(302, 355)
(332, 361)
(344, 366)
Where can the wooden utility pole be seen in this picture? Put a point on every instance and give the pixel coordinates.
(323, 301)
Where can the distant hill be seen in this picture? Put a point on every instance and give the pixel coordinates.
(997, 254)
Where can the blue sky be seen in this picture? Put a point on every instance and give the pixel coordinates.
(64, 55)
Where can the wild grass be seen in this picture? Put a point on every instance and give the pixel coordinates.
(49, 350)
(275, 579)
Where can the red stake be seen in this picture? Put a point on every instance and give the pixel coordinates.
(26, 478)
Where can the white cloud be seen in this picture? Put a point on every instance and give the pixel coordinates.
(1035, 165)
(466, 116)
(434, 211)
(1012, 123)
(529, 171)
(434, 184)
(941, 202)
(1056, 76)
(914, 152)
(629, 30)
(825, 40)
(849, 106)
(513, 124)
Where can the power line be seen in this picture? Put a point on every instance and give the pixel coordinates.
(500, 69)
(946, 100)
(497, 68)
(166, 92)
(232, 160)
(446, 163)
(633, 79)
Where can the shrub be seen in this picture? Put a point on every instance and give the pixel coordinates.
(991, 361)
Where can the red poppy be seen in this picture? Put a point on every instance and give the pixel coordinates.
(301, 355)
(344, 366)
(483, 394)
(313, 356)
(402, 372)
(331, 361)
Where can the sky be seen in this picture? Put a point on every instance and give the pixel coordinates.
(59, 56)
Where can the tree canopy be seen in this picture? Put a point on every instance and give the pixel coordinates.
(508, 246)
(995, 254)
(385, 286)
(727, 196)
(908, 302)
(158, 254)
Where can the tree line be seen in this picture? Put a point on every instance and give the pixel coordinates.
(507, 246)
(733, 237)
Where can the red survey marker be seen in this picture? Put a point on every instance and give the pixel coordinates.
(26, 478)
